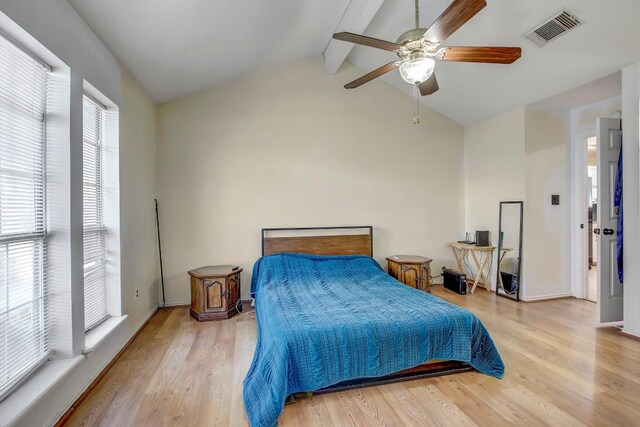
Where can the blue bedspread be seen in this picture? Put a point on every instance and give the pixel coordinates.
(323, 320)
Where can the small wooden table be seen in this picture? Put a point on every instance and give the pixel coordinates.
(215, 291)
(480, 255)
(412, 270)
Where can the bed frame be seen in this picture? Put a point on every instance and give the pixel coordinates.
(348, 240)
(319, 240)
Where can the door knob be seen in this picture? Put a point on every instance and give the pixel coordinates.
(608, 232)
(596, 231)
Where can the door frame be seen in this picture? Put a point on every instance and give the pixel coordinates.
(579, 213)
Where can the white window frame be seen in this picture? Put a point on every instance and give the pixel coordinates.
(94, 234)
(110, 198)
(18, 158)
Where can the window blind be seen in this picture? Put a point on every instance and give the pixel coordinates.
(95, 286)
(23, 234)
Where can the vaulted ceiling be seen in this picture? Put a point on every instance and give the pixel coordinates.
(174, 48)
(608, 40)
(177, 47)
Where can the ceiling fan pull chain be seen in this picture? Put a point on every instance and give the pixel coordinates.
(416, 111)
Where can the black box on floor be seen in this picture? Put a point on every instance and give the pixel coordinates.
(455, 281)
(509, 282)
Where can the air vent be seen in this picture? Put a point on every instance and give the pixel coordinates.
(559, 24)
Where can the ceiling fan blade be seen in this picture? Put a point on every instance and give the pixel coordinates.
(456, 15)
(429, 86)
(372, 75)
(367, 41)
(492, 55)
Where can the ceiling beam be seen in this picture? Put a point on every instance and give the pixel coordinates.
(356, 18)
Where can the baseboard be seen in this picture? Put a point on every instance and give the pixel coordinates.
(178, 304)
(630, 334)
(73, 405)
(551, 297)
(617, 324)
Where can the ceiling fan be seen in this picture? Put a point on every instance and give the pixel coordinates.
(418, 48)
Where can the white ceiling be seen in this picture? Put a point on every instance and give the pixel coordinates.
(174, 48)
(608, 40)
(177, 47)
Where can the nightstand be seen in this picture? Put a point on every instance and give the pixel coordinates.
(412, 270)
(215, 290)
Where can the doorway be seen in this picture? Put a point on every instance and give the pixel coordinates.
(591, 288)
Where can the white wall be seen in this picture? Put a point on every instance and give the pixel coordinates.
(546, 250)
(56, 25)
(582, 125)
(290, 147)
(494, 153)
(631, 196)
(521, 155)
(57, 29)
(583, 118)
(138, 188)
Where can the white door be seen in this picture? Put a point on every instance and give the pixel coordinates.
(609, 132)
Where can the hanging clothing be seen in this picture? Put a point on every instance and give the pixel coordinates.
(617, 203)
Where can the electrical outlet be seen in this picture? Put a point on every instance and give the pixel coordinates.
(137, 294)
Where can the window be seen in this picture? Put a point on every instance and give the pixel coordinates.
(23, 232)
(95, 275)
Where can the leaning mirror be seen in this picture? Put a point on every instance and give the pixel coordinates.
(509, 249)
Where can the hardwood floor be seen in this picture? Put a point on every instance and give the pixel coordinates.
(592, 292)
(561, 370)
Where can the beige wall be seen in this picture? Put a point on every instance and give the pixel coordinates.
(138, 188)
(494, 163)
(290, 147)
(546, 231)
(522, 155)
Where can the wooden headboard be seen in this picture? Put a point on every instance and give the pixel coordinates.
(351, 240)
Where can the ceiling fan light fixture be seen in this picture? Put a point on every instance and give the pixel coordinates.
(417, 70)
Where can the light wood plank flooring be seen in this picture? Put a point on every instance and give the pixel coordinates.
(561, 370)
(592, 292)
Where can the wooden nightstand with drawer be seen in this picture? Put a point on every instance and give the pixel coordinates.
(412, 270)
(215, 290)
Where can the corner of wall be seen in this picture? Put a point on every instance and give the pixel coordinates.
(631, 196)
(138, 168)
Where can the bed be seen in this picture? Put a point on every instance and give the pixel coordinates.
(331, 319)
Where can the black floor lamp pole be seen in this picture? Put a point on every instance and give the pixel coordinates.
(164, 302)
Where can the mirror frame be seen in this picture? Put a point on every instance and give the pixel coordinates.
(504, 294)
